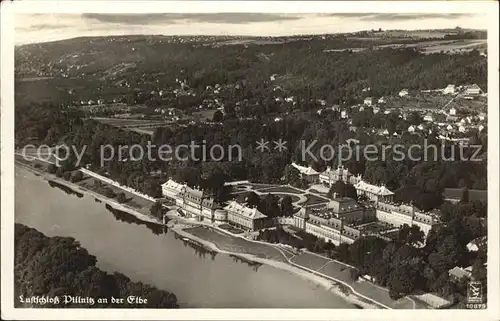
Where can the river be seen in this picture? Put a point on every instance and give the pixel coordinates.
(198, 279)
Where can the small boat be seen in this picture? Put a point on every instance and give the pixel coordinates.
(186, 239)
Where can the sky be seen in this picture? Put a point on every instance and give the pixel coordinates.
(42, 27)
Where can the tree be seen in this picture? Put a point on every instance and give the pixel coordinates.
(67, 175)
(218, 116)
(292, 176)
(76, 176)
(252, 200)
(401, 283)
(465, 195)
(59, 172)
(52, 168)
(58, 266)
(286, 206)
(411, 235)
(269, 206)
(341, 189)
(121, 198)
(156, 210)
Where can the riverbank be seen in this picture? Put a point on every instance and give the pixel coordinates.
(78, 189)
(335, 288)
(255, 251)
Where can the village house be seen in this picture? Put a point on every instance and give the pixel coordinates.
(450, 89)
(381, 100)
(376, 110)
(352, 141)
(477, 244)
(403, 93)
(473, 90)
(383, 132)
(452, 111)
(307, 173)
(411, 129)
(459, 274)
(368, 101)
(344, 114)
(429, 117)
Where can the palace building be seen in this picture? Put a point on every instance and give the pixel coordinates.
(247, 218)
(400, 214)
(196, 204)
(330, 176)
(373, 192)
(335, 222)
(307, 173)
(171, 188)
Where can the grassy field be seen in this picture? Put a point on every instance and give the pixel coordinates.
(235, 244)
(141, 204)
(231, 229)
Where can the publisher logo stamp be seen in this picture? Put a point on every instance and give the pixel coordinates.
(474, 292)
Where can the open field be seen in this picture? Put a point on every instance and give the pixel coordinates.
(141, 126)
(204, 114)
(144, 131)
(230, 229)
(140, 204)
(426, 47)
(235, 244)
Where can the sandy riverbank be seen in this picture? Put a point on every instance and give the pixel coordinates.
(327, 284)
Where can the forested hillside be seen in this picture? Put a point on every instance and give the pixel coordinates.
(92, 68)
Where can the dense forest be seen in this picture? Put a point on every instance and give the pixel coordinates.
(58, 266)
